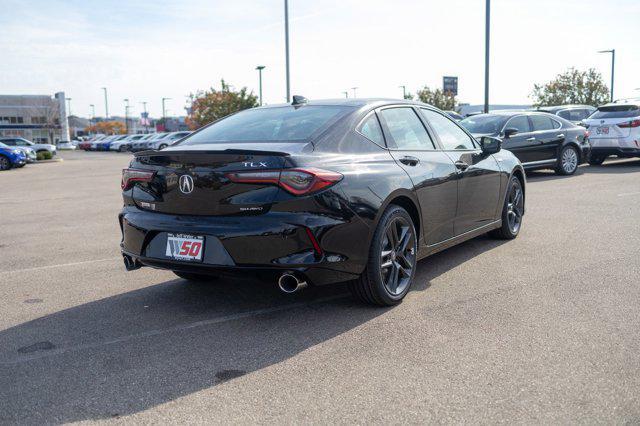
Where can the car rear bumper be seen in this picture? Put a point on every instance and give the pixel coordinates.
(619, 151)
(267, 244)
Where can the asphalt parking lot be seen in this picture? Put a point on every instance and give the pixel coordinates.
(545, 328)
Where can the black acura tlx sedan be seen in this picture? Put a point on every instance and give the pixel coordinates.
(319, 192)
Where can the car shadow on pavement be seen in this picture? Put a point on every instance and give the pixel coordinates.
(611, 166)
(131, 352)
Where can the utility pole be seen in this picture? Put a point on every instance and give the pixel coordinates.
(106, 103)
(613, 67)
(164, 113)
(354, 91)
(146, 117)
(260, 68)
(286, 46)
(93, 114)
(404, 92)
(487, 31)
(346, 94)
(126, 115)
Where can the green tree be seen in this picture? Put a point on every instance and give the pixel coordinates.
(213, 104)
(438, 98)
(572, 87)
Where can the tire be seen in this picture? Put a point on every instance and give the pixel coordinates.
(122, 148)
(512, 212)
(189, 276)
(392, 254)
(163, 146)
(568, 161)
(597, 160)
(5, 164)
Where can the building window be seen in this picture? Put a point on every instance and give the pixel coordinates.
(38, 120)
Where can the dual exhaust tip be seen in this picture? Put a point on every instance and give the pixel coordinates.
(290, 283)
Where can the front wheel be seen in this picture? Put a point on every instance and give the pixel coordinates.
(163, 146)
(122, 148)
(5, 164)
(568, 161)
(512, 212)
(390, 269)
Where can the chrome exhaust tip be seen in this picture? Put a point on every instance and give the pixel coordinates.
(289, 283)
(130, 263)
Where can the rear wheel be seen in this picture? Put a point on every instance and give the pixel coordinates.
(596, 160)
(512, 212)
(390, 269)
(163, 146)
(122, 148)
(5, 164)
(189, 276)
(568, 161)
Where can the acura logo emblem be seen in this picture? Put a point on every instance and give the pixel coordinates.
(186, 184)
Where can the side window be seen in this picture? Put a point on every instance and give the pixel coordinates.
(540, 122)
(451, 136)
(566, 114)
(556, 124)
(9, 142)
(372, 130)
(520, 122)
(406, 129)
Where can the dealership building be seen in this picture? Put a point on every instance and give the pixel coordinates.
(38, 118)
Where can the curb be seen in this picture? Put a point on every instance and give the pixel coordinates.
(53, 160)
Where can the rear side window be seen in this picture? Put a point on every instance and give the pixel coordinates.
(574, 114)
(540, 122)
(451, 136)
(284, 124)
(617, 111)
(371, 129)
(406, 129)
(520, 122)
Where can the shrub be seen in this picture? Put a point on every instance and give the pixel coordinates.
(40, 156)
(47, 155)
(43, 155)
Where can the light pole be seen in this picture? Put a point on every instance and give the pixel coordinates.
(106, 103)
(286, 46)
(613, 66)
(68, 105)
(487, 31)
(260, 68)
(126, 114)
(404, 92)
(346, 94)
(354, 91)
(93, 114)
(164, 113)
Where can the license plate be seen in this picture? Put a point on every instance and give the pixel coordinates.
(185, 247)
(602, 130)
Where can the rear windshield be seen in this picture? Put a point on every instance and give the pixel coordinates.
(269, 124)
(617, 111)
(484, 123)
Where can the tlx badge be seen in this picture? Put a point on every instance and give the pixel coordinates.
(252, 164)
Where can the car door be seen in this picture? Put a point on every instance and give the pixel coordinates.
(432, 172)
(522, 144)
(549, 134)
(478, 173)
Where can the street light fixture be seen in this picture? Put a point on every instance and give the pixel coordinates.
(260, 68)
(613, 66)
(106, 103)
(354, 91)
(286, 46)
(404, 92)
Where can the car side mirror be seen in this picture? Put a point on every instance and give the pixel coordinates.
(490, 145)
(510, 131)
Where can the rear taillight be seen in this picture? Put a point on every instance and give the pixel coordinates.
(295, 181)
(632, 123)
(130, 176)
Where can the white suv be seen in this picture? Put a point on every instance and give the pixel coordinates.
(614, 129)
(169, 139)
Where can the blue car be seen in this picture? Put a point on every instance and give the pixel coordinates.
(106, 144)
(11, 157)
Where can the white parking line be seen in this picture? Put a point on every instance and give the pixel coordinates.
(182, 327)
(62, 265)
(625, 194)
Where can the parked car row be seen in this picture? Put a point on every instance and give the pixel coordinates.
(133, 143)
(560, 138)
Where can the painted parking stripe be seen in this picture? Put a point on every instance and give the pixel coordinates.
(62, 265)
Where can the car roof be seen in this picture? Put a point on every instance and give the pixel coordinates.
(352, 102)
(556, 108)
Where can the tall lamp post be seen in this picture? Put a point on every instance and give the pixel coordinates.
(286, 46)
(146, 117)
(93, 114)
(346, 94)
(487, 31)
(354, 91)
(126, 115)
(613, 66)
(404, 92)
(164, 113)
(260, 68)
(106, 103)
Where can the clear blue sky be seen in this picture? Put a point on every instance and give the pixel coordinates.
(144, 50)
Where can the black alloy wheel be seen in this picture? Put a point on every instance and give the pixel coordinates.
(392, 260)
(512, 212)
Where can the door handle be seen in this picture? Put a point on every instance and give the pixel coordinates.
(461, 165)
(531, 139)
(410, 161)
(560, 136)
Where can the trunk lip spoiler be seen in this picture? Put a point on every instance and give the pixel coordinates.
(211, 151)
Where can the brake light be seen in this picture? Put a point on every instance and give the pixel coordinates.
(632, 123)
(301, 181)
(130, 176)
